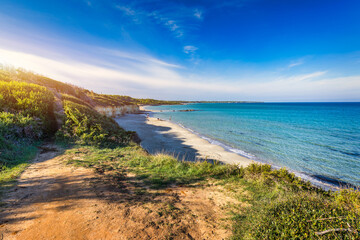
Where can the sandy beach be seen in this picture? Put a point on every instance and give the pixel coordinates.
(159, 136)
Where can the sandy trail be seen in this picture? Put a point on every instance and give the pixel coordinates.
(55, 201)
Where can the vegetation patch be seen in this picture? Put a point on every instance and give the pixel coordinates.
(85, 125)
(26, 117)
(118, 100)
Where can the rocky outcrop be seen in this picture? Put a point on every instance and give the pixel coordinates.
(117, 111)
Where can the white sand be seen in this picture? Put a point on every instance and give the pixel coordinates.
(160, 136)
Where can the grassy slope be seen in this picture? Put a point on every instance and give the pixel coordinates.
(280, 205)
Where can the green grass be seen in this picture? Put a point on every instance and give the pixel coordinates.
(280, 212)
(158, 170)
(11, 171)
(20, 156)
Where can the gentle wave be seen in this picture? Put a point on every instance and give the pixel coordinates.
(218, 143)
(323, 182)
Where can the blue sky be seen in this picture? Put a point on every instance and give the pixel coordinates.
(263, 50)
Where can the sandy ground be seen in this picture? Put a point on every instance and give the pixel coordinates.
(53, 200)
(158, 136)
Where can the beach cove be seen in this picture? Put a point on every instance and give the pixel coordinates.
(160, 136)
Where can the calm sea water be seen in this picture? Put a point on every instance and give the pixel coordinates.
(318, 141)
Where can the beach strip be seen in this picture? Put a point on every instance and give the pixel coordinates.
(160, 136)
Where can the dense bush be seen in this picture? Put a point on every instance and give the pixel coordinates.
(15, 126)
(28, 100)
(307, 217)
(5, 76)
(285, 207)
(88, 126)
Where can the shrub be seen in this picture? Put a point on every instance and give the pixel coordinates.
(5, 76)
(90, 127)
(14, 126)
(28, 100)
(307, 217)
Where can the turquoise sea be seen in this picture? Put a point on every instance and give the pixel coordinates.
(318, 141)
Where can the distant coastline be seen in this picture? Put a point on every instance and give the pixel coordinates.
(163, 102)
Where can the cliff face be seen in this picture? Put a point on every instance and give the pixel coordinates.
(117, 111)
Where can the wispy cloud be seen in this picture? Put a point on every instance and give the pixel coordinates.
(128, 11)
(149, 77)
(175, 16)
(190, 49)
(169, 23)
(198, 14)
(137, 58)
(144, 72)
(296, 63)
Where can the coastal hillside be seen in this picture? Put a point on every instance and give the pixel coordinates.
(69, 171)
(35, 108)
(63, 91)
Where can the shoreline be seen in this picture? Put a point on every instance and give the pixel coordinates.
(161, 136)
(164, 136)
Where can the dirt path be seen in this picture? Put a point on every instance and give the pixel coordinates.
(56, 201)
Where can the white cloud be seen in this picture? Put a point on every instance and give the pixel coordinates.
(190, 49)
(198, 14)
(171, 24)
(154, 73)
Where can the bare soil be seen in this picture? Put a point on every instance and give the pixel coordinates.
(53, 200)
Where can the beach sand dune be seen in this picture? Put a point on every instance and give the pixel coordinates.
(159, 136)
